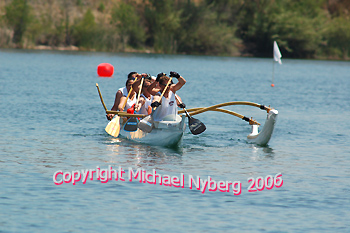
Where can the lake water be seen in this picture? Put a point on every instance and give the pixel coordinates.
(52, 120)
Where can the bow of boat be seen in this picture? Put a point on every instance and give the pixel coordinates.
(165, 133)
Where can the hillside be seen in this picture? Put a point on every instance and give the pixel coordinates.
(303, 29)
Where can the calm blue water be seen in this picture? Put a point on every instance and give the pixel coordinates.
(52, 119)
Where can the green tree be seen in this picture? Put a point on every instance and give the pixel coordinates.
(204, 31)
(163, 23)
(84, 31)
(297, 26)
(17, 14)
(127, 22)
(338, 36)
(298, 35)
(255, 21)
(101, 7)
(46, 30)
(227, 10)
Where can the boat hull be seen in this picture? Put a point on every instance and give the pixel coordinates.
(164, 133)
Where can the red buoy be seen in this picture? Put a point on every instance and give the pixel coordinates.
(105, 70)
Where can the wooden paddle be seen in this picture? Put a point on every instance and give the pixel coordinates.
(99, 93)
(195, 125)
(113, 127)
(125, 114)
(132, 124)
(147, 123)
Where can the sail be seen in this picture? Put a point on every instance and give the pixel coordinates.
(276, 53)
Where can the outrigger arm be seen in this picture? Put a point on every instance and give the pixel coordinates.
(265, 134)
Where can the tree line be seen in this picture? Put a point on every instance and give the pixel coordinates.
(302, 28)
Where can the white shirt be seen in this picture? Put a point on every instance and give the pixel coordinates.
(129, 102)
(168, 107)
(124, 91)
(144, 107)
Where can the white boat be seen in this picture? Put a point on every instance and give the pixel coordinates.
(168, 132)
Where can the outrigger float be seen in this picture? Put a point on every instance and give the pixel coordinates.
(169, 132)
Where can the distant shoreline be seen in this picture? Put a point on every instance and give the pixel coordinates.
(75, 48)
(59, 48)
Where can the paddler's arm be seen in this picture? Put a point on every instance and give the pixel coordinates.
(156, 101)
(179, 102)
(121, 104)
(141, 102)
(118, 96)
(180, 81)
(136, 84)
(151, 89)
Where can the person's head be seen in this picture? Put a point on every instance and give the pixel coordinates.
(129, 83)
(145, 85)
(132, 75)
(163, 81)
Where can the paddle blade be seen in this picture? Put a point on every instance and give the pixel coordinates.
(196, 126)
(113, 127)
(131, 124)
(146, 124)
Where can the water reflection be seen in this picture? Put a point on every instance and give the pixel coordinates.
(262, 152)
(128, 153)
